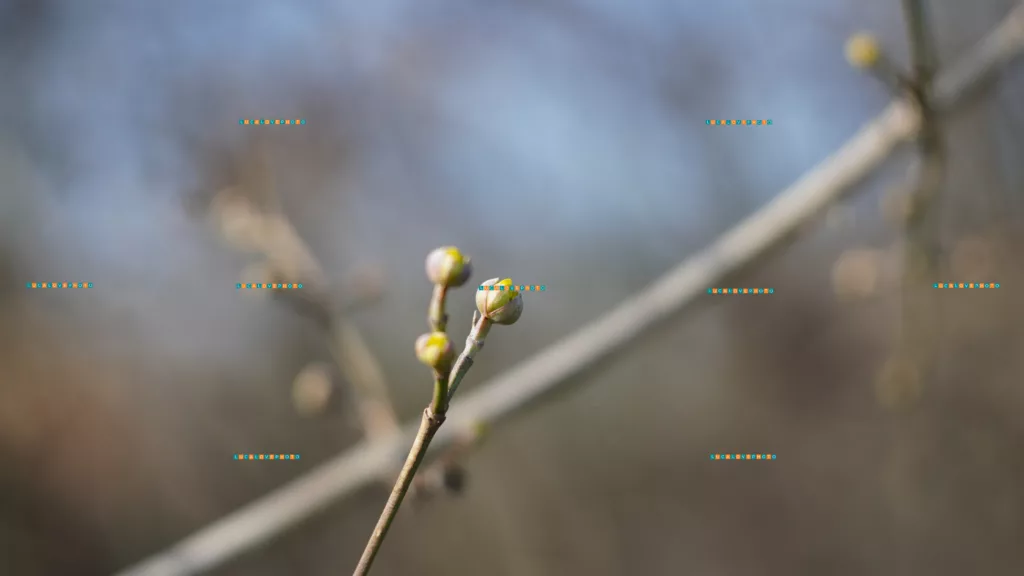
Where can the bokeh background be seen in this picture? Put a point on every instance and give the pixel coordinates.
(560, 142)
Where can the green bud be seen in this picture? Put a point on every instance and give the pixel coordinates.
(447, 266)
(435, 350)
(503, 305)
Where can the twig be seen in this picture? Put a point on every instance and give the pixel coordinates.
(531, 380)
(436, 315)
(429, 426)
(474, 342)
(355, 360)
(447, 267)
(430, 423)
(363, 371)
(291, 260)
(929, 137)
(446, 472)
(917, 345)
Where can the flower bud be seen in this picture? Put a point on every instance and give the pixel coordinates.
(863, 51)
(446, 266)
(503, 304)
(435, 350)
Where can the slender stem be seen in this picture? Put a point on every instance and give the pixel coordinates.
(922, 51)
(923, 67)
(429, 425)
(436, 316)
(474, 342)
(439, 403)
(922, 253)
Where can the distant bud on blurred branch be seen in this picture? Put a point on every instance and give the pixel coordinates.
(863, 51)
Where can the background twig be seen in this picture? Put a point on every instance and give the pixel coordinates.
(916, 351)
(289, 259)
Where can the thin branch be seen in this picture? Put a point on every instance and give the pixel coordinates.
(474, 342)
(530, 381)
(436, 315)
(363, 371)
(922, 48)
(446, 472)
(433, 416)
(430, 423)
(918, 345)
(929, 138)
(291, 260)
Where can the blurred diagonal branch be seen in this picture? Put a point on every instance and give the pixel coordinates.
(289, 260)
(534, 379)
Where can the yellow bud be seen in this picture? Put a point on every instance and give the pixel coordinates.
(503, 305)
(435, 350)
(447, 266)
(863, 50)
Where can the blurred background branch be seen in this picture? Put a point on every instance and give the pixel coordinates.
(287, 259)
